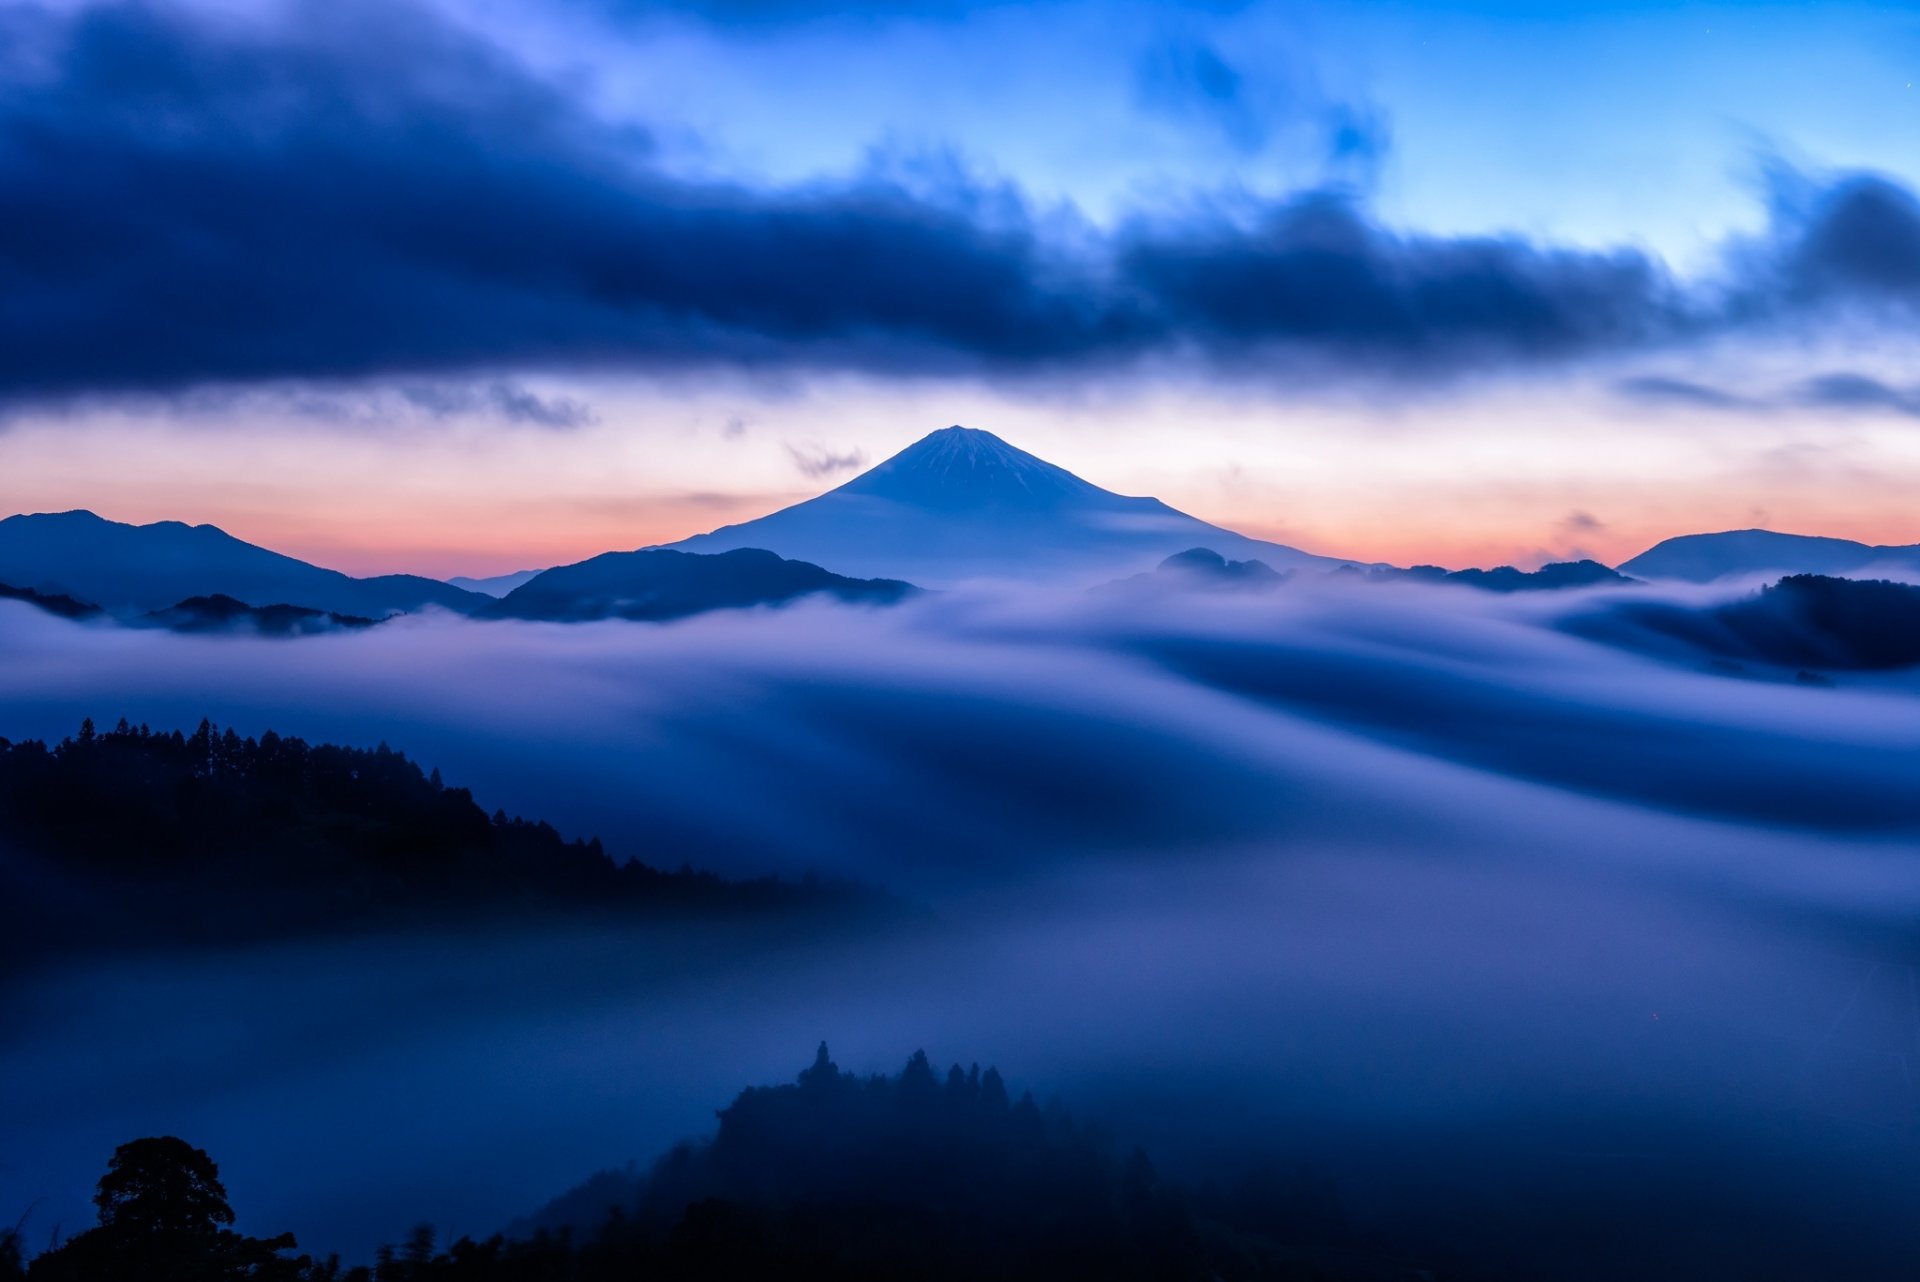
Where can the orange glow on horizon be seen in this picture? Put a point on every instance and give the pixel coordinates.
(1510, 477)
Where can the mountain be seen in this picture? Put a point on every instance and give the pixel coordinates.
(656, 584)
(136, 569)
(963, 504)
(496, 586)
(1702, 558)
(224, 614)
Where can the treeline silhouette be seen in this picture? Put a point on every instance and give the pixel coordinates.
(1824, 622)
(1807, 621)
(910, 1178)
(136, 837)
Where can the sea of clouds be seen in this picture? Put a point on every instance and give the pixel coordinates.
(1405, 884)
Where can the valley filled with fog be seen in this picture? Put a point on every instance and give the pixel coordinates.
(1417, 887)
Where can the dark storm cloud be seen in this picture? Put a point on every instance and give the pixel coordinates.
(1317, 272)
(189, 200)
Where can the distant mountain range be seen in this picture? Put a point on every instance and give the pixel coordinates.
(962, 504)
(657, 584)
(1554, 577)
(1206, 570)
(958, 505)
(137, 569)
(1702, 558)
(496, 586)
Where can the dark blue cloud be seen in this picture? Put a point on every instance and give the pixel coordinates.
(188, 200)
(1316, 271)
(1860, 237)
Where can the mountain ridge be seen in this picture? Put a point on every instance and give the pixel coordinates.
(130, 569)
(1702, 558)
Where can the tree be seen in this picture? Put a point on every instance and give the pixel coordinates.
(13, 1265)
(163, 1218)
(162, 1187)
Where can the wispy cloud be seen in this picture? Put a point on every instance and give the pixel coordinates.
(1859, 392)
(817, 461)
(1841, 390)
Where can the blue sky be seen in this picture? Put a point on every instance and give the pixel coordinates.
(1596, 124)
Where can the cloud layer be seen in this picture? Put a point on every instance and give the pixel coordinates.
(187, 199)
(1395, 877)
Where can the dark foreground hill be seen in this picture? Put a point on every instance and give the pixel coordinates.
(139, 838)
(911, 1178)
(655, 585)
(1806, 621)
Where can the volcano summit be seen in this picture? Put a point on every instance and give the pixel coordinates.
(961, 504)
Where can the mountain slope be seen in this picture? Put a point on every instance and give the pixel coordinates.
(1702, 558)
(136, 569)
(656, 584)
(963, 504)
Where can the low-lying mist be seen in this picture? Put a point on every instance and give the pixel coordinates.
(1403, 884)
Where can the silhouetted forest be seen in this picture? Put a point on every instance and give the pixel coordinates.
(53, 603)
(219, 613)
(1505, 578)
(136, 836)
(1803, 621)
(660, 584)
(905, 1178)
(1819, 621)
